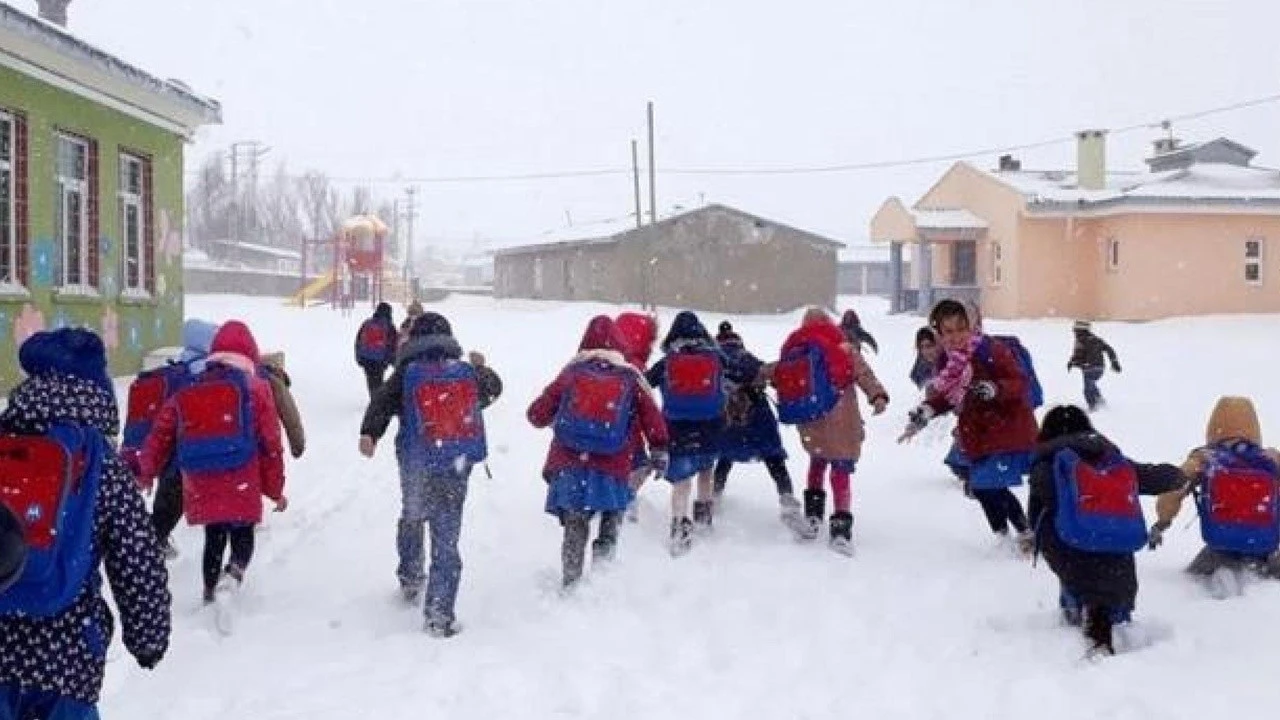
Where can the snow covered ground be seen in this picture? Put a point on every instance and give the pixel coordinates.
(929, 620)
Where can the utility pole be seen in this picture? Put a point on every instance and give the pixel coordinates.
(653, 178)
(635, 180)
(253, 151)
(410, 213)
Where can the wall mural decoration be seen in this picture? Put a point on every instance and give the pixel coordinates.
(134, 334)
(42, 265)
(29, 322)
(110, 328)
(170, 237)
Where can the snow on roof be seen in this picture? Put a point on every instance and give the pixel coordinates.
(1201, 181)
(277, 252)
(948, 220)
(65, 43)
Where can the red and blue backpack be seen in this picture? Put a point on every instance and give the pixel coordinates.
(1237, 500)
(804, 386)
(50, 483)
(1098, 506)
(693, 385)
(216, 431)
(1035, 393)
(441, 424)
(147, 394)
(595, 411)
(373, 342)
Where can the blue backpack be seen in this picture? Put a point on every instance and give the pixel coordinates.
(216, 431)
(595, 411)
(805, 390)
(373, 342)
(1098, 506)
(693, 385)
(1035, 393)
(147, 394)
(441, 424)
(50, 483)
(1237, 500)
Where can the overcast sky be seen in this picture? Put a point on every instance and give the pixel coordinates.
(427, 88)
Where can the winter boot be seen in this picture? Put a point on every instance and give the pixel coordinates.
(702, 510)
(1097, 628)
(606, 542)
(410, 592)
(681, 536)
(441, 628)
(842, 533)
(791, 513)
(815, 508)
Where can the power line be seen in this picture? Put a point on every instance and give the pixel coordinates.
(797, 170)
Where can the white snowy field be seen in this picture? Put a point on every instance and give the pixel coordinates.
(930, 619)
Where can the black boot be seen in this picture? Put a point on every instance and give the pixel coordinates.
(842, 533)
(1097, 627)
(815, 508)
(702, 515)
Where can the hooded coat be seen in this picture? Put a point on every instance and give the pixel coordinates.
(381, 316)
(696, 437)
(226, 496)
(430, 340)
(65, 655)
(1005, 424)
(837, 435)
(751, 428)
(1102, 579)
(286, 407)
(577, 472)
(639, 332)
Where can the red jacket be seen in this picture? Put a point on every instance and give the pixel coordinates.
(1004, 425)
(645, 415)
(638, 333)
(225, 496)
(829, 338)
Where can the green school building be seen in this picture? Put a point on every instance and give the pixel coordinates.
(91, 198)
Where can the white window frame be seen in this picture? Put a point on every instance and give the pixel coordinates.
(66, 187)
(997, 265)
(1113, 254)
(1256, 260)
(137, 201)
(9, 166)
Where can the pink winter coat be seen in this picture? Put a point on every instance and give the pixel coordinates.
(226, 496)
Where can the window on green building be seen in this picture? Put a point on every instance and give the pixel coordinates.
(136, 229)
(8, 214)
(71, 208)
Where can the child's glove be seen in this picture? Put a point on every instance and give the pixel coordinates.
(984, 390)
(1156, 536)
(147, 660)
(660, 462)
(917, 419)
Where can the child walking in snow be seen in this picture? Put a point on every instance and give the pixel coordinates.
(1094, 562)
(986, 386)
(376, 346)
(691, 378)
(439, 400)
(833, 439)
(226, 467)
(599, 406)
(638, 333)
(1087, 354)
(1236, 484)
(751, 429)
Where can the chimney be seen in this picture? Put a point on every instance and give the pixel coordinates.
(1010, 163)
(54, 11)
(1091, 159)
(1165, 145)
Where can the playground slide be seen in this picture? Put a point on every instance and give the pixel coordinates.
(312, 290)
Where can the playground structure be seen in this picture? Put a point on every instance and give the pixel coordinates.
(358, 255)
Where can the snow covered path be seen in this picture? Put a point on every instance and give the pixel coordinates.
(930, 619)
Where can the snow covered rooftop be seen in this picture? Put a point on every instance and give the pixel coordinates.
(1215, 183)
(948, 220)
(272, 251)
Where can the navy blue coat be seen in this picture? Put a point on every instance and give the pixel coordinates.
(688, 437)
(757, 438)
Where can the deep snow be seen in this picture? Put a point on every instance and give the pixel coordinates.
(930, 619)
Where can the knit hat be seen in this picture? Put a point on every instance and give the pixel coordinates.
(383, 310)
(725, 334)
(235, 337)
(429, 323)
(1233, 418)
(13, 549)
(197, 338)
(72, 351)
(1081, 325)
(815, 316)
(601, 334)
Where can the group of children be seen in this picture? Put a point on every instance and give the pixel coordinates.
(1083, 514)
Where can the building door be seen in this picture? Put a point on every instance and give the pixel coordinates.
(964, 263)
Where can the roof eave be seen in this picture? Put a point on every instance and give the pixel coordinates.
(1053, 208)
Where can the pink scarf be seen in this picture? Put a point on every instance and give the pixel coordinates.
(952, 382)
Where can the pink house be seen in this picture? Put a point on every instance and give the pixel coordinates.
(1186, 236)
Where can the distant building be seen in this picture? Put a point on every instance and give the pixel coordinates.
(864, 270)
(713, 258)
(91, 206)
(253, 256)
(1187, 236)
